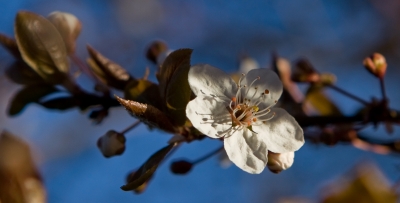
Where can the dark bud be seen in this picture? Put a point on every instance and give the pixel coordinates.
(181, 167)
(155, 49)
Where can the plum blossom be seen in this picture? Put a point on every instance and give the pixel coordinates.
(242, 115)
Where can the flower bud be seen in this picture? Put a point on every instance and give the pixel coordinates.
(111, 144)
(69, 27)
(181, 167)
(376, 64)
(156, 49)
(279, 162)
(247, 63)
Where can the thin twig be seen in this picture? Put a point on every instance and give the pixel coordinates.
(383, 89)
(131, 127)
(207, 156)
(340, 90)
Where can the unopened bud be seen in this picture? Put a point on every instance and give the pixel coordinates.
(181, 167)
(155, 49)
(111, 144)
(279, 162)
(69, 27)
(376, 64)
(247, 63)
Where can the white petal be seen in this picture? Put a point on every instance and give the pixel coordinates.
(282, 133)
(280, 162)
(269, 80)
(206, 80)
(247, 151)
(209, 115)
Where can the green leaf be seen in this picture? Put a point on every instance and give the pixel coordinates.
(318, 100)
(108, 71)
(146, 171)
(10, 45)
(174, 85)
(20, 73)
(41, 46)
(148, 114)
(29, 94)
(143, 91)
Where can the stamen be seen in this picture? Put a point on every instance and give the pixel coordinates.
(267, 119)
(251, 84)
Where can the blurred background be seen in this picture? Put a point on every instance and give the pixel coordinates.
(334, 35)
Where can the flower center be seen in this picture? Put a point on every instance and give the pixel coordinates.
(244, 110)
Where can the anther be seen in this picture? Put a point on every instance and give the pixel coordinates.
(266, 91)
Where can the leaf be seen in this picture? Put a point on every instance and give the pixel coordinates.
(41, 46)
(110, 72)
(68, 26)
(174, 85)
(318, 100)
(146, 171)
(20, 73)
(10, 45)
(148, 114)
(60, 103)
(29, 94)
(143, 91)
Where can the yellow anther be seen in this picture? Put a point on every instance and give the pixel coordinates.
(255, 108)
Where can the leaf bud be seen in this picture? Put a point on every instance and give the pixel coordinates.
(111, 144)
(376, 64)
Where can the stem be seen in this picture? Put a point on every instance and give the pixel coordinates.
(207, 156)
(348, 94)
(130, 127)
(84, 68)
(383, 89)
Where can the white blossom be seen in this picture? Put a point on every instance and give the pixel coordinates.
(242, 115)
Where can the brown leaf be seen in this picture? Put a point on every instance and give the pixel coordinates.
(41, 46)
(29, 94)
(11, 45)
(19, 179)
(108, 71)
(143, 91)
(148, 114)
(69, 27)
(146, 171)
(174, 85)
(20, 73)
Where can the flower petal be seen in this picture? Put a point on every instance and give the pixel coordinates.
(209, 115)
(282, 133)
(268, 82)
(247, 151)
(207, 80)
